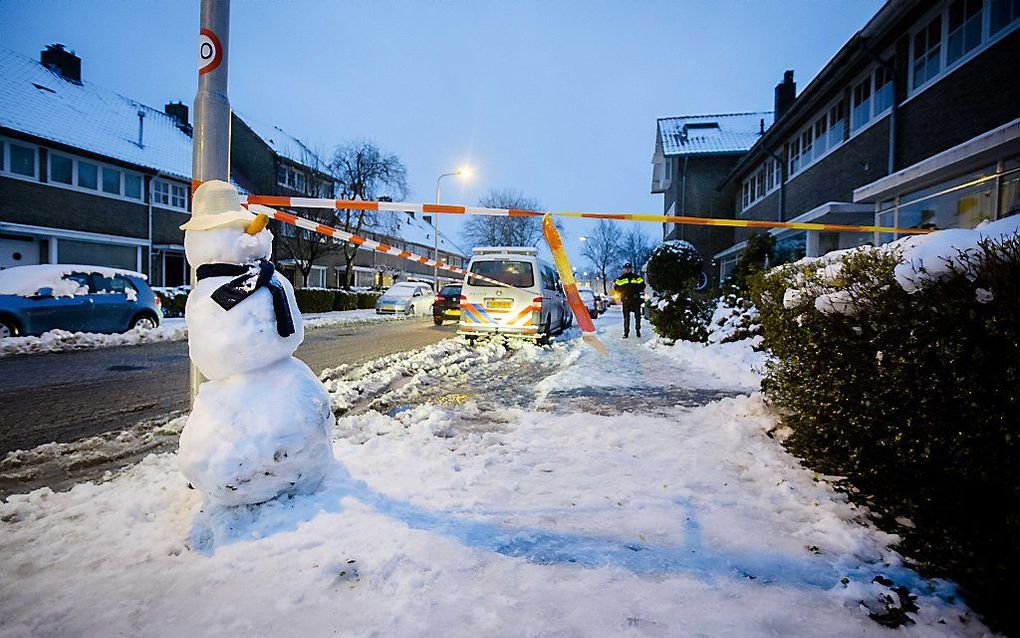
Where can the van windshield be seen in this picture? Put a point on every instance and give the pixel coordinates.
(519, 274)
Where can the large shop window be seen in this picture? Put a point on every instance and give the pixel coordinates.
(95, 254)
(964, 208)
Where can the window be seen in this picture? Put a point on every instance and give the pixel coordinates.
(88, 175)
(669, 169)
(170, 194)
(291, 178)
(883, 89)
(316, 278)
(519, 274)
(21, 159)
(111, 181)
(1003, 13)
(861, 112)
(794, 156)
(964, 28)
(110, 285)
(821, 135)
(837, 123)
(926, 51)
(805, 148)
(61, 169)
(132, 186)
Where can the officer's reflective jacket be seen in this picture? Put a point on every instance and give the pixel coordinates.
(631, 288)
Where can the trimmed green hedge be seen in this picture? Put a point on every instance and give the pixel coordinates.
(914, 398)
(324, 300)
(172, 301)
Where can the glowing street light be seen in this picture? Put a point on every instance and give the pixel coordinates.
(463, 172)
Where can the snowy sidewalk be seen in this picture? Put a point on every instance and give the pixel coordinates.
(487, 492)
(171, 329)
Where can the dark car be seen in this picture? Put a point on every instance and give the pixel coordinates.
(37, 299)
(447, 304)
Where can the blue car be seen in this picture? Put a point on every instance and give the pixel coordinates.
(36, 299)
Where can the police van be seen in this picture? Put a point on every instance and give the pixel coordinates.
(531, 305)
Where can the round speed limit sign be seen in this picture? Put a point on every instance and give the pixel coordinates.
(210, 53)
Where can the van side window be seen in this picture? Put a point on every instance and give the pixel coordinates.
(548, 278)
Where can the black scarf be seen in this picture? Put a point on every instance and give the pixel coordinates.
(250, 277)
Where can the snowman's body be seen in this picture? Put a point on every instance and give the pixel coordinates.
(262, 425)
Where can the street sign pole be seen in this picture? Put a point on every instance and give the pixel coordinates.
(210, 156)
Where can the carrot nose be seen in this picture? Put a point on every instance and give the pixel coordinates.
(255, 227)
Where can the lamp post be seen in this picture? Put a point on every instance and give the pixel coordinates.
(463, 172)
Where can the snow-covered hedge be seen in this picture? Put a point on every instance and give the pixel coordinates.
(897, 367)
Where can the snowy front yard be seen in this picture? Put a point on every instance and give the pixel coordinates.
(488, 492)
(170, 329)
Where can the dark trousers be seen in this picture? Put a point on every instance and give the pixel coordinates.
(631, 308)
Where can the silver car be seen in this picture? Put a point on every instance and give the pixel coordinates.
(407, 297)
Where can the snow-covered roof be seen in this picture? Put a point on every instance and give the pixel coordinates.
(414, 230)
(39, 102)
(284, 144)
(713, 133)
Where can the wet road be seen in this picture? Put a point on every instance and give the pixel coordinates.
(65, 396)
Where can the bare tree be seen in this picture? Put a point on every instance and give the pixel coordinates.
(602, 248)
(363, 171)
(636, 248)
(485, 230)
(304, 247)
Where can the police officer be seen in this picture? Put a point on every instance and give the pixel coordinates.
(631, 288)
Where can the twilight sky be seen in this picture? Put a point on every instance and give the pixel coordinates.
(555, 98)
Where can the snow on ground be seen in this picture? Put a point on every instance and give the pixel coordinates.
(170, 329)
(501, 491)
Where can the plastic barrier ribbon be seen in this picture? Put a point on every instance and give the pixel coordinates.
(311, 202)
(552, 237)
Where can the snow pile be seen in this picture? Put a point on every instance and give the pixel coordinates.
(26, 281)
(732, 365)
(62, 340)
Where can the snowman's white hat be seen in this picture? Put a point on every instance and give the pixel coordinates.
(216, 203)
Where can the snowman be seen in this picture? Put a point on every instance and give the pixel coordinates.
(262, 425)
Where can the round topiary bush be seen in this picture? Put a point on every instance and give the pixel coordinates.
(674, 266)
(673, 270)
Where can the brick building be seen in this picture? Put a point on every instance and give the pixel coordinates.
(693, 154)
(90, 176)
(914, 122)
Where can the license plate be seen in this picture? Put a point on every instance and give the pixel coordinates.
(453, 312)
(499, 304)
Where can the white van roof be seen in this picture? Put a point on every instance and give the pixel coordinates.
(506, 250)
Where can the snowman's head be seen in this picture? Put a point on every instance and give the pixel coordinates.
(227, 244)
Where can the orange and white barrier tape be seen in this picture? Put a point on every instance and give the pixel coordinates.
(329, 231)
(552, 237)
(344, 204)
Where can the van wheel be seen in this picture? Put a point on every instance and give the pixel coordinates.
(410, 311)
(437, 320)
(8, 328)
(546, 333)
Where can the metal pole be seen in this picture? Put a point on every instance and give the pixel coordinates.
(435, 239)
(210, 157)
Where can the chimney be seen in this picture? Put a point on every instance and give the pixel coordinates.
(141, 128)
(179, 111)
(56, 58)
(786, 93)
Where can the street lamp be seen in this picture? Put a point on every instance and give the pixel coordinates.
(464, 172)
(583, 238)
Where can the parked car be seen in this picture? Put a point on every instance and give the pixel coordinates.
(532, 304)
(40, 298)
(447, 304)
(406, 297)
(601, 302)
(588, 297)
